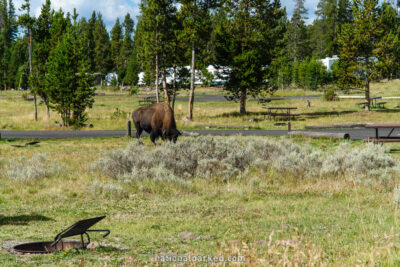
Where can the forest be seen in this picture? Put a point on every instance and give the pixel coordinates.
(58, 55)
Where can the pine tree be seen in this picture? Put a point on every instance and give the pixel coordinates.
(358, 42)
(345, 14)
(28, 22)
(68, 81)
(8, 32)
(387, 50)
(196, 21)
(248, 41)
(327, 12)
(155, 37)
(116, 44)
(42, 37)
(17, 67)
(297, 35)
(102, 49)
(128, 60)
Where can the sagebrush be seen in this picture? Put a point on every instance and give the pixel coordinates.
(235, 157)
(27, 169)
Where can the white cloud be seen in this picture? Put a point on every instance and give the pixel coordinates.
(310, 5)
(110, 9)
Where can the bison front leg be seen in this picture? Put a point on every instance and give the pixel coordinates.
(153, 137)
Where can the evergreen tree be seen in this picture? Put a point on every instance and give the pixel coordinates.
(42, 37)
(116, 44)
(155, 37)
(28, 22)
(297, 35)
(91, 41)
(327, 12)
(8, 31)
(345, 14)
(387, 50)
(18, 68)
(68, 81)
(102, 49)
(128, 60)
(196, 21)
(248, 40)
(358, 42)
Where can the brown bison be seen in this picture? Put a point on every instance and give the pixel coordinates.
(157, 120)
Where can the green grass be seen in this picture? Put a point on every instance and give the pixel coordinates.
(335, 221)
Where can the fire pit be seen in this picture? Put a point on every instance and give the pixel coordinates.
(79, 228)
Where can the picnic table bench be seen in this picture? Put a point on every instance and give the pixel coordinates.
(274, 112)
(380, 139)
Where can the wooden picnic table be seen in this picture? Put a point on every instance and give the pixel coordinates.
(145, 100)
(273, 111)
(387, 138)
(373, 103)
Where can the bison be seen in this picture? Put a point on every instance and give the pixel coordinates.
(157, 120)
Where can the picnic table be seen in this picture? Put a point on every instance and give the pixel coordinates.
(388, 138)
(145, 100)
(373, 102)
(280, 111)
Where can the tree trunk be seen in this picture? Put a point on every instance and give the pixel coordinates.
(46, 101)
(174, 89)
(243, 95)
(192, 80)
(164, 82)
(367, 100)
(30, 72)
(157, 73)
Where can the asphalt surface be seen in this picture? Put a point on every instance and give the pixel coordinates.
(205, 98)
(355, 134)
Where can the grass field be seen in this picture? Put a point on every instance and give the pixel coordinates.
(294, 209)
(270, 217)
(112, 110)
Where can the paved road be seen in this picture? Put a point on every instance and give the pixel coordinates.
(205, 98)
(355, 134)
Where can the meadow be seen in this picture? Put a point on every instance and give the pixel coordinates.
(269, 206)
(112, 108)
(276, 201)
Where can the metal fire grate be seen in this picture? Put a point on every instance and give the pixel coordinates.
(79, 228)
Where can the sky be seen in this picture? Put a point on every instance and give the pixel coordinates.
(113, 9)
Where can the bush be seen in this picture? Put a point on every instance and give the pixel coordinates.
(226, 158)
(330, 95)
(134, 90)
(25, 170)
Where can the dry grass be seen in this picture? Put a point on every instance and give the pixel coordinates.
(18, 113)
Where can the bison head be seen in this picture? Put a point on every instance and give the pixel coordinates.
(171, 135)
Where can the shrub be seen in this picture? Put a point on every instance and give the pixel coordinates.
(24, 170)
(330, 95)
(225, 158)
(134, 90)
(24, 96)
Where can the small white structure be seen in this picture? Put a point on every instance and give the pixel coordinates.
(328, 62)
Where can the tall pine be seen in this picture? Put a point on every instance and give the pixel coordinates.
(247, 45)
